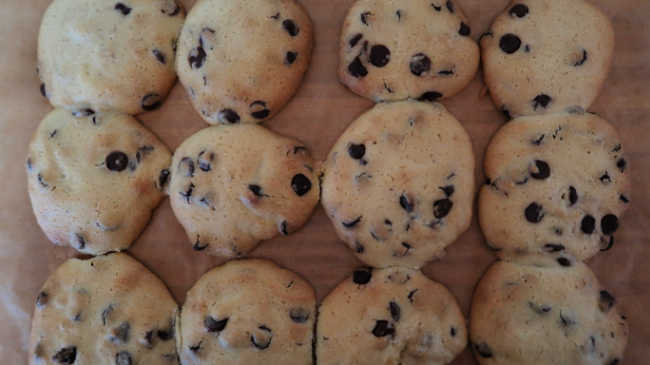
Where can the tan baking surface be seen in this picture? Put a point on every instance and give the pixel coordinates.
(317, 116)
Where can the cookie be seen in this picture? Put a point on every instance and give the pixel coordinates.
(241, 61)
(399, 183)
(389, 316)
(93, 181)
(543, 56)
(108, 55)
(557, 184)
(549, 314)
(108, 310)
(234, 186)
(248, 312)
(394, 50)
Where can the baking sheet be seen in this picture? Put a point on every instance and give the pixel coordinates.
(317, 115)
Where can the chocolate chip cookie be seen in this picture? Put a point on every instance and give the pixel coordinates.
(94, 179)
(108, 310)
(557, 184)
(241, 61)
(399, 183)
(248, 312)
(389, 316)
(233, 186)
(545, 314)
(542, 56)
(394, 50)
(108, 55)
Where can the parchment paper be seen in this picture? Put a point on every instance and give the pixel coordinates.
(317, 115)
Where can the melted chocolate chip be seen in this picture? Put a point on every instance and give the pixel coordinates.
(299, 315)
(406, 204)
(117, 161)
(442, 207)
(213, 325)
(483, 350)
(290, 57)
(588, 224)
(519, 11)
(151, 101)
(543, 170)
(464, 30)
(534, 213)
(290, 27)
(379, 55)
(356, 151)
(383, 328)
(430, 96)
(125, 10)
(362, 276)
(395, 311)
(352, 223)
(300, 184)
(541, 100)
(123, 358)
(354, 40)
(563, 261)
(66, 355)
(509, 43)
(420, 63)
(609, 224)
(357, 69)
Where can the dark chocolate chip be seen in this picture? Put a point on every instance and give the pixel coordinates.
(151, 101)
(163, 177)
(563, 261)
(448, 190)
(264, 341)
(588, 224)
(123, 358)
(352, 223)
(66, 355)
(420, 63)
(566, 321)
(452, 332)
(196, 348)
(383, 328)
(606, 301)
(621, 164)
(442, 207)
(399, 15)
(379, 55)
(187, 194)
(609, 224)
(117, 161)
(205, 165)
(519, 11)
(257, 190)
(228, 116)
(483, 350)
(357, 69)
(541, 100)
(509, 43)
(83, 112)
(197, 245)
(362, 276)
(275, 16)
(159, 56)
(81, 241)
(283, 228)
(406, 204)
(186, 165)
(395, 311)
(300, 184)
(464, 29)
(522, 182)
(356, 151)
(411, 294)
(553, 247)
(106, 313)
(450, 6)
(125, 10)
(538, 141)
(120, 334)
(290, 27)
(533, 213)
(261, 111)
(354, 40)
(213, 325)
(364, 17)
(196, 57)
(148, 339)
(605, 178)
(624, 199)
(617, 148)
(299, 315)
(543, 170)
(446, 72)
(290, 57)
(430, 96)
(142, 152)
(583, 59)
(539, 308)
(43, 91)
(41, 299)
(436, 7)
(573, 195)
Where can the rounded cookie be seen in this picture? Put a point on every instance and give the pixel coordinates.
(551, 313)
(248, 312)
(93, 181)
(389, 316)
(98, 55)
(542, 56)
(394, 50)
(233, 186)
(108, 310)
(557, 184)
(241, 61)
(399, 183)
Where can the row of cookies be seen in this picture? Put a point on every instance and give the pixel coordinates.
(111, 310)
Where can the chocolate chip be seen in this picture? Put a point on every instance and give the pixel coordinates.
(541, 100)
(83, 112)
(186, 166)
(213, 325)
(106, 313)
(196, 57)
(354, 40)
(159, 56)
(262, 340)
(290, 27)
(588, 224)
(606, 301)
(582, 60)
(383, 328)
(399, 15)
(543, 170)
(260, 111)
(411, 294)
(148, 339)
(170, 8)
(450, 6)
(351, 223)
(41, 299)
(196, 348)
(621, 164)
(395, 311)
(442, 207)
(509, 43)
(362, 276)
(151, 101)
(257, 190)
(117, 161)
(81, 241)
(605, 178)
(539, 309)
(197, 245)
(356, 151)
(534, 213)
(300, 184)
(617, 148)
(430, 96)
(299, 315)
(609, 224)
(519, 11)
(506, 113)
(436, 7)
(573, 195)
(406, 204)
(553, 247)
(357, 69)
(168, 333)
(624, 199)
(125, 10)
(290, 57)
(464, 29)
(43, 92)
(120, 334)
(163, 177)
(448, 190)
(614, 361)
(483, 350)
(379, 55)
(66, 355)
(187, 194)
(446, 72)
(566, 321)
(228, 116)
(563, 261)
(123, 358)
(142, 152)
(364, 17)
(204, 164)
(283, 228)
(420, 63)
(275, 16)
(609, 243)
